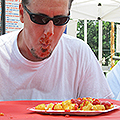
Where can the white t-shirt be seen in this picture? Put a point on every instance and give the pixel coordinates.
(71, 71)
(113, 78)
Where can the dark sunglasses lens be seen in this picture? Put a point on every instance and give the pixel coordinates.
(39, 19)
(59, 21)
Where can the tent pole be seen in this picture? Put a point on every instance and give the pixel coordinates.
(85, 31)
(112, 44)
(3, 17)
(100, 42)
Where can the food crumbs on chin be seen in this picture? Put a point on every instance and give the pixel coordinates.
(1, 114)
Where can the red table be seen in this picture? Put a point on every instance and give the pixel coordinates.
(17, 110)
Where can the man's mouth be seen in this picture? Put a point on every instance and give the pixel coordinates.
(45, 43)
(45, 46)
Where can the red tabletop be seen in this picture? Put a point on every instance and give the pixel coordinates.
(18, 110)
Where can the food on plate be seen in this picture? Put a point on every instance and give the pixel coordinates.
(86, 104)
(1, 114)
(40, 107)
(50, 106)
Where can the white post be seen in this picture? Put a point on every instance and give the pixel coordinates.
(100, 43)
(85, 31)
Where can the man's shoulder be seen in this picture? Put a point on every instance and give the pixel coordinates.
(8, 37)
(73, 41)
(66, 36)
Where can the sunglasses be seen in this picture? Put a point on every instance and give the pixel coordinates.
(43, 19)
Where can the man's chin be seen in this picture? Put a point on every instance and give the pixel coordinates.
(44, 55)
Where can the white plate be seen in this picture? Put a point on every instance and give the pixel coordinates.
(72, 112)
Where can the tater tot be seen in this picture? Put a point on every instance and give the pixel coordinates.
(50, 106)
(40, 107)
(58, 107)
(98, 107)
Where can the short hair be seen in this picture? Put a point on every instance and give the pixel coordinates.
(70, 3)
(25, 2)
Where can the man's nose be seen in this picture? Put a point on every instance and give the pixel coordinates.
(49, 29)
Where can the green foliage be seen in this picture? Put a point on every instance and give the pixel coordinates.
(106, 40)
(116, 61)
(93, 36)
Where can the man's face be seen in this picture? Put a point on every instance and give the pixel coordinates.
(40, 40)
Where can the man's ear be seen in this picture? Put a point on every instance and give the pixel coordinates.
(21, 12)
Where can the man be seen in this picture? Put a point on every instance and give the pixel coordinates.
(40, 62)
(113, 78)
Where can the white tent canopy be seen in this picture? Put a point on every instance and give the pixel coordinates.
(102, 10)
(106, 10)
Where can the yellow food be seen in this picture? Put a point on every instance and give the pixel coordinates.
(40, 107)
(1, 114)
(50, 106)
(86, 104)
(58, 107)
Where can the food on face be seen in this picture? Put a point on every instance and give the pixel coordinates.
(85, 104)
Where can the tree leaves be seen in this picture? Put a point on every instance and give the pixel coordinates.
(93, 35)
